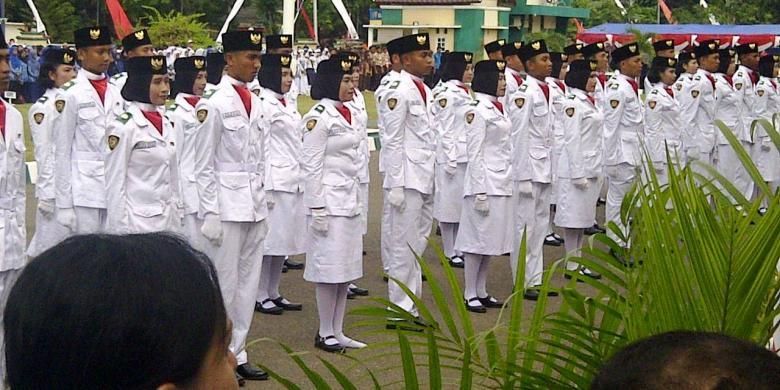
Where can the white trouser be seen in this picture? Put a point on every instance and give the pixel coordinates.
(532, 215)
(449, 234)
(48, 232)
(7, 280)
(89, 220)
(191, 230)
(730, 166)
(621, 178)
(409, 227)
(238, 260)
(384, 234)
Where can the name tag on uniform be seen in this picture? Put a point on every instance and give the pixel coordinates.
(337, 130)
(231, 114)
(145, 145)
(188, 126)
(86, 105)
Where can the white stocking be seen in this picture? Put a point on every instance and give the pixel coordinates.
(327, 296)
(573, 239)
(265, 275)
(449, 232)
(482, 277)
(472, 265)
(277, 262)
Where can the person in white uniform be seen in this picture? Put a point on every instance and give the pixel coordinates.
(531, 112)
(57, 69)
(13, 235)
(697, 104)
(744, 82)
(767, 101)
(136, 44)
(283, 184)
(86, 105)
(597, 52)
(485, 225)
(409, 152)
(329, 164)
(515, 71)
(557, 95)
(187, 89)
(142, 170)
(579, 169)
(451, 99)
(623, 132)
(662, 117)
(686, 70)
(215, 68)
(493, 49)
(229, 174)
(664, 48)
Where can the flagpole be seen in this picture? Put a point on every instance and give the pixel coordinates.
(316, 25)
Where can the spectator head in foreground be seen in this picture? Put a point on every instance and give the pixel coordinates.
(138, 311)
(690, 361)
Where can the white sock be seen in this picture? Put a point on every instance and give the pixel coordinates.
(448, 236)
(275, 276)
(338, 318)
(265, 272)
(327, 295)
(573, 239)
(470, 274)
(482, 277)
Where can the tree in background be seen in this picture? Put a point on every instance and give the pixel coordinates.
(173, 28)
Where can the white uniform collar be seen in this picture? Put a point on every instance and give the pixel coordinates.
(580, 94)
(232, 81)
(92, 76)
(485, 97)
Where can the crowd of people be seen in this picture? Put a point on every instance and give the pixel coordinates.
(494, 150)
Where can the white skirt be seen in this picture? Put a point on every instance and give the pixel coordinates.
(448, 194)
(48, 232)
(576, 208)
(489, 234)
(286, 225)
(364, 208)
(336, 256)
(767, 159)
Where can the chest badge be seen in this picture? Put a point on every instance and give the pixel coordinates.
(695, 94)
(113, 141)
(202, 115)
(310, 124)
(469, 117)
(614, 103)
(520, 102)
(59, 105)
(38, 118)
(651, 104)
(570, 112)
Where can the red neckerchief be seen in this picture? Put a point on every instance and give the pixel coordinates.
(634, 86)
(518, 79)
(729, 80)
(592, 100)
(464, 88)
(155, 119)
(602, 77)
(100, 87)
(421, 88)
(561, 85)
(712, 80)
(774, 83)
(2, 118)
(669, 91)
(545, 89)
(192, 100)
(344, 111)
(284, 102)
(753, 76)
(246, 97)
(499, 106)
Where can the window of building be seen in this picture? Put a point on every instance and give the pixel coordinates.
(441, 42)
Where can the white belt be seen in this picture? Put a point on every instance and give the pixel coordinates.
(237, 167)
(94, 156)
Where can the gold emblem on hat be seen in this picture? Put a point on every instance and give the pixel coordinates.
(285, 60)
(593, 65)
(256, 38)
(353, 58)
(669, 42)
(157, 63)
(501, 42)
(518, 45)
(94, 33)
(732, 52)
(67, 58)
(139, 35)
(632, 48)
(752, 45)
(467, 57)
(672, 62)
(284, 39)
(564, 57)
(199, 64)
(600, 45)
(776, 58)
(536, 45)
(579, 46)
(693, 56)
(712, 46)
(500, 65)
(421, 39)
(345, 65)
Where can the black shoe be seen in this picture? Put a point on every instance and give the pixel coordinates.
(417, 325)
(595, 229)
(365, 253)
(293, 264)
(241, 381)
(601, 201)
(276, 310)
(284, 269)
(569, 276)
(359, 291)
(558, 237)
(551, 240)
(533, 293)
(350, 294)
(589, 273)
(475, 309)
(291, 306)
(424, 278)
(251, 372)
(319, 343)
(456, 262)
(385, 278)
(491, 302)
(629, 263)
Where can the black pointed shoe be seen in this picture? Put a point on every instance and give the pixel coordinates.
(287, 305)
(474, 308)
(359, 291)
(321, 343)
(551, 240)
(293, 264)
(457, 262)
(491, 302)
(275, 310)
(251, 372)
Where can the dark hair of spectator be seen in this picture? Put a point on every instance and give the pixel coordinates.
(113, 312)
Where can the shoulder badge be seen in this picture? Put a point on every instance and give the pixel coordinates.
(523, 88)
(442, 103)
(395, 84)
(383, 83)
(38, 117)
(209, 93)
(695, 93)
(310, 124)
(43, 99)
(651, 104)
(614, 86)
(760, 92)
(68, 85)
(202, 114)
(391, 103)
(614, 103)
(320, 108)
(679, 87)
(520, 102)
(469, 117)
(59, 105)
(655, 92)
(697, 78)
(571, 96)
(116, 76)
(570, 112)
(125, 117)
(113, 141)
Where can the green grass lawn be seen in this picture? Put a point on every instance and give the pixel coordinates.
(304, 105)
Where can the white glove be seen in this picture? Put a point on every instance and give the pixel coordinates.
(581, 183)
(481, 204)
(396, 198)
(46, 207)
(212, 229)
(67, 218)
(692, 153)
(525, 188)
(450, 170)
(319, 220)
(270, 200)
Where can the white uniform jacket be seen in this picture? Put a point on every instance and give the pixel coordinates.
(357, 106)
(531, 114)
(662, 123)
(13, 235)
(557, 96)
(388, 79)
(283, 144)
(697, 105)
(623, 123)
(185, 128)
(489, 169)
(409, 142)
(42, 117)
(746, 91)
(767, 106)
(729, 108)
(682, 83)
(230, 156)
(80, 136)
(448, 110)
(514, 80)
(329, 161)
(581, 151)
(142, 174)
(118, 80)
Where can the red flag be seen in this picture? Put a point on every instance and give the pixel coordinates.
(667, 11)
(122, 25)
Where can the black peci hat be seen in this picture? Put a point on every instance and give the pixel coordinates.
(533, 49)
(242, 40)
(486, 76)
(136, 39)
(664, 44)
(454, 63)
(706, 48)
(329, 75)
(92, 36)
(593, 49)
(414, 42)
(511, 49)
(492, 47)
(279, 41)
(59, 56)
(625, 52)
(663, 62)
(574, 48)
(747, 48)
(140, 71)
